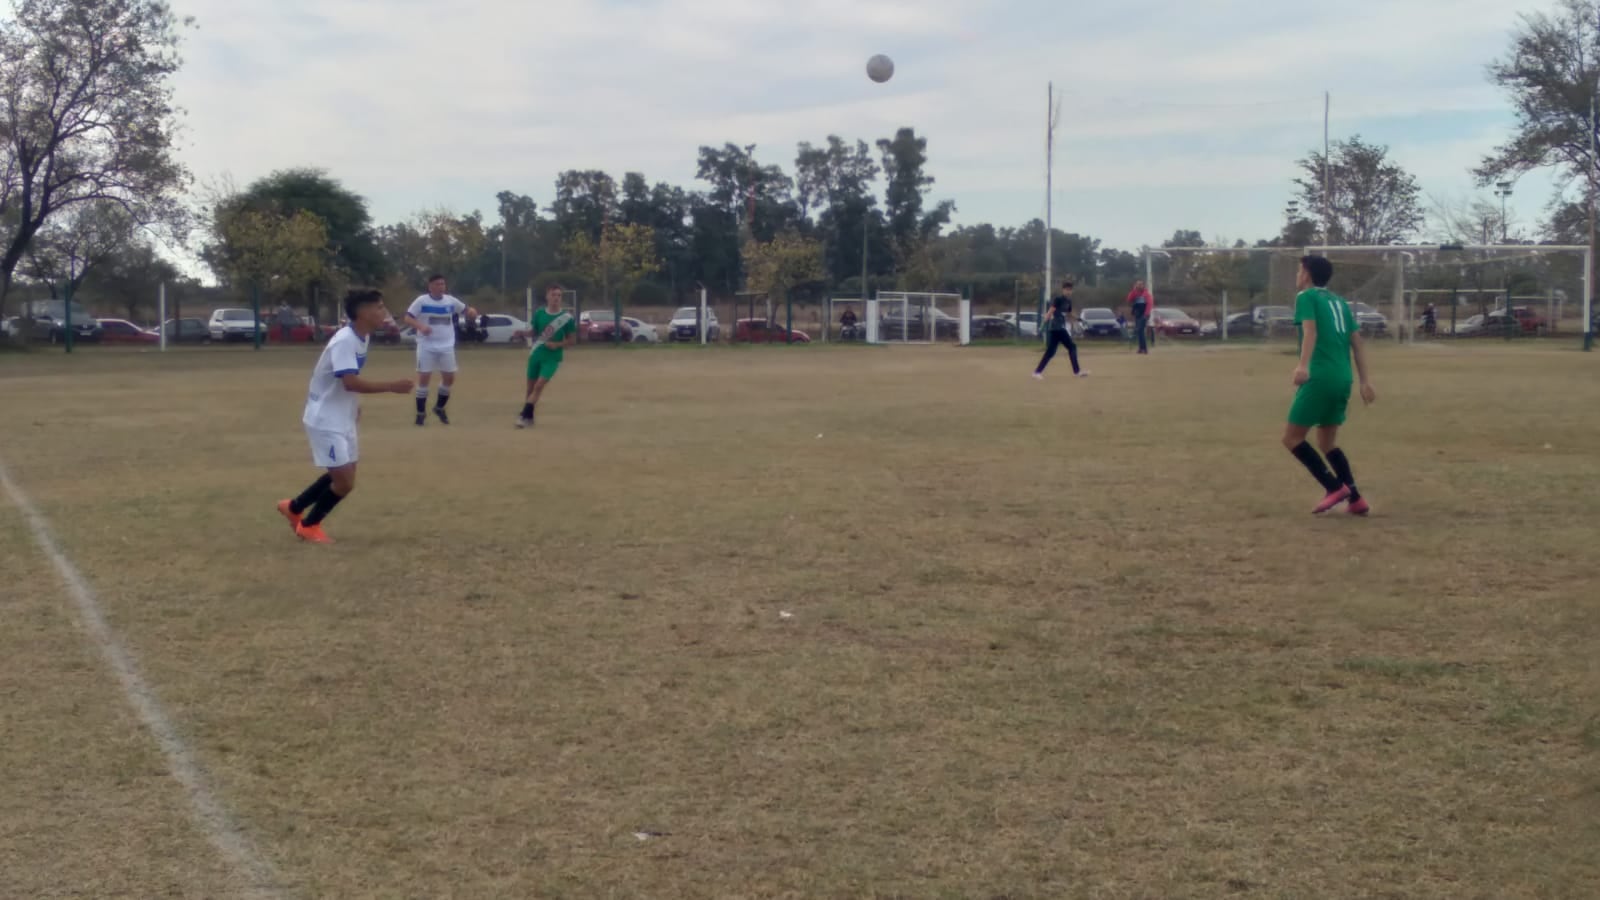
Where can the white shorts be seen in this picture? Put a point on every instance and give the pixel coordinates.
(332, 449)
(430, 359)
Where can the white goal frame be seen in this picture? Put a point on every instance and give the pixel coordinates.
(925, 301)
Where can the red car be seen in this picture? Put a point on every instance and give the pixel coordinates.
(305, 332)
(121, 331)
(760, 331)
(1531, 322)
(1171, 322)
(601, 325)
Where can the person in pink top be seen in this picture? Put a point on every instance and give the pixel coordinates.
(1140, 307)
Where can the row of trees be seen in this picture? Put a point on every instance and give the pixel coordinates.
(90, 190)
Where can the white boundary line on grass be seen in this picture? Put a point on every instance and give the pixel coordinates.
(259, 878)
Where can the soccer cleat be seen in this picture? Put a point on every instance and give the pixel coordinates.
(1083, 374)
(288, 513)
(312, 534)
(443, 419)
(1358, 507)
(1333, 499)
(1038, 376)
(422, 419)
(523, 422)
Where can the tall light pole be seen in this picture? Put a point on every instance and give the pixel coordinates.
(502, 262)
(1503, 191)
(1292, 214)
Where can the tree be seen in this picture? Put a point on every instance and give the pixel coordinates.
(86, 115)
(438, 240)
(904, 160)
(1368, 199)
(585, 201)
(1466, 221)
(625, 254)
(352, 245)
(75, 243)
(133, 275)
(782, 264)
(275, 252)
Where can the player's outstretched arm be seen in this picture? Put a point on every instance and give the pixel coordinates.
(421, 326)
(355, 384)
(1358, 349)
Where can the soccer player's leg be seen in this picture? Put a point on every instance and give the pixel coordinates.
(1328, 440)
(1305, 413)
(338, 452)
(1072, 354)
(425, 366)
(542, 366)
(1050, 345)
(446, 363)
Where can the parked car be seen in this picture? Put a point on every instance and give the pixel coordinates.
(234, 325)
(46, 320)
(1171, 321)
(1240, 325)
(911, 323)
(760, 331)
(643, 332)
(186, 331)
(1274, 320)
(1027, 324)
(1530, 321)
(1100, 322)
(306, 332)
(993, 328)
(685, 325)
(601, 325)
(498, 328)
(1370, 321)
(389, 332)
(121, 331)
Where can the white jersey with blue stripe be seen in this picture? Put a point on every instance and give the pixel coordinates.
(329, 407)
(440, 316)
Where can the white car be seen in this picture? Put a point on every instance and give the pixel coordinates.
(499, 329)
(233, 325)
(1027, 324)
(643, 332)
(685, 323)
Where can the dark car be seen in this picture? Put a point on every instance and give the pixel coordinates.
(1100, 322)
(992, 328)
(121, 331)
(46, 320)
(186, 331)
(602, 325)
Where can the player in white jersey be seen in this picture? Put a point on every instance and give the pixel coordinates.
(332, 410)
(433, 316)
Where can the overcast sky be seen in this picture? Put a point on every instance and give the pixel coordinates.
(1175, 114)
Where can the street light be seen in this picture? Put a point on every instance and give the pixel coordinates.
(502, 264)
(1503, 191)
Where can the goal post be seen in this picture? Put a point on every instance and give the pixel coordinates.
(920, 317)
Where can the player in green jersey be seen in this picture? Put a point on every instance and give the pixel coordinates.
(556, 330)
(1329, 337)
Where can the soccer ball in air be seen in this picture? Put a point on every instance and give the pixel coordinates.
(880, 68)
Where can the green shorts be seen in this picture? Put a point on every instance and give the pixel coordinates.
(1320, 403)
(543, 363)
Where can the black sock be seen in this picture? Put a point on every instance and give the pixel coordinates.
(422, 400)
(324, 505)
(1341, 468)
(309, 496)
(444, 397)
(527, 410)
(1312, 460)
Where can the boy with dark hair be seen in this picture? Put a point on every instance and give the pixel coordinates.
(1059, 313)
(557, 331)
(433, 315)
(1329, 337)
(332, 411)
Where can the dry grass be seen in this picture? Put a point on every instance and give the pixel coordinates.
(1070, 639)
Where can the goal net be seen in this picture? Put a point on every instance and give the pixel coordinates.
(918, 318)
(1402, 293)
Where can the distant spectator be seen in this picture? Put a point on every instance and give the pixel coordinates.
(286, 320)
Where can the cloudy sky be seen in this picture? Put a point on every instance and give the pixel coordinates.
(1174, 114)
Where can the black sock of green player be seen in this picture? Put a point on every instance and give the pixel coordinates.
(527, 410)
(1312, 460)
(1341, 468)
(309, 496)
(444, 397)
(323, 506)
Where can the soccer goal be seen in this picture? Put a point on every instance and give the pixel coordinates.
(833, 313)
(1235, 293)
(920, 318)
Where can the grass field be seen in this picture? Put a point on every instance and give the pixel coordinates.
(814, 622)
